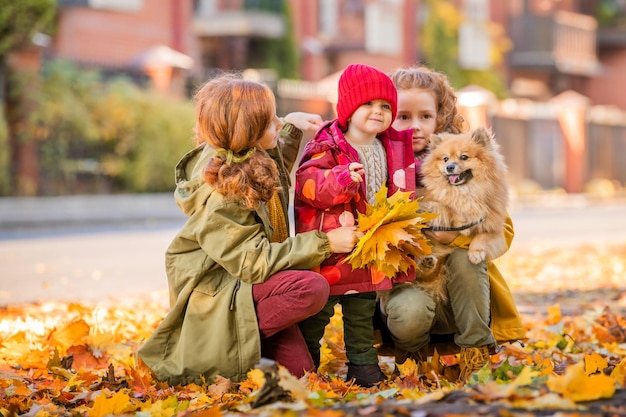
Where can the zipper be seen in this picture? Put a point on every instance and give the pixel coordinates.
(232, 298)
(321, 222)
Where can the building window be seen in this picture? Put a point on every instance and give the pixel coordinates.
(205, 7)
(383, 27)
(328, 18)
(119, 5)
(274, 6)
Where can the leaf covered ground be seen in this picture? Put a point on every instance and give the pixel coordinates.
(79, 359)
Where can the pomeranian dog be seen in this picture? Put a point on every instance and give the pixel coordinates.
(464, 177)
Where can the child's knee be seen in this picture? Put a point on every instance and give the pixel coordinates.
(410, 312)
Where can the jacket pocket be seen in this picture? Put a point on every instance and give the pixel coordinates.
(213, 280)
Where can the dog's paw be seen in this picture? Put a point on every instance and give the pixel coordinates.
(428, 263)
(476, 256)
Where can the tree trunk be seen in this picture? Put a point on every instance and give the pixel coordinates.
(22, 75)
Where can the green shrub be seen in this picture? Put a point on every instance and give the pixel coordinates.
(98, 136)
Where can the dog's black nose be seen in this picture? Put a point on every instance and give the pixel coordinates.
(450, 168)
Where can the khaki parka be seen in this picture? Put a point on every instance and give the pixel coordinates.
(220, 252)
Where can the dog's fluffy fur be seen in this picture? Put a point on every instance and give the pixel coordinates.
(464, 177)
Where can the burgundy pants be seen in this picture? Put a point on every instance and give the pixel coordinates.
(282, 301)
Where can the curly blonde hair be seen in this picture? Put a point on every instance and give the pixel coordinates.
(448, 118)
(233, 114)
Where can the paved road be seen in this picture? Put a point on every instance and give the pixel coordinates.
(95, 248)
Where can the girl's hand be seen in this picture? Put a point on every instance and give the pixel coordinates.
(343, 239)
(307, 122)
(356, 171)
(443, 238)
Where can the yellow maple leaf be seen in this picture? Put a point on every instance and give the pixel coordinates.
(577, 386)
(163, 408)
(525, 377)
(595, 363)
(292, 384)
(554, 314)
(619, 373)
(119, 403)
(393, 235)
(255, 380)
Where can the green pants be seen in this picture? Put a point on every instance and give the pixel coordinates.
(411, 314)
(358, 312)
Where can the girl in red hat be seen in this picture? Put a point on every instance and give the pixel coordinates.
(343, 167)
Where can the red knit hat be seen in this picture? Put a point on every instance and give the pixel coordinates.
(359, 84)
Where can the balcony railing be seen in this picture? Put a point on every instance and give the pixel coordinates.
(564, 42)
(249, 18)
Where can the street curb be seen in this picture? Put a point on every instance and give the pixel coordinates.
(87, 210)
(26, 213)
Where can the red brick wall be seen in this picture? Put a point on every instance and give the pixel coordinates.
(609, 86)
(114, 38)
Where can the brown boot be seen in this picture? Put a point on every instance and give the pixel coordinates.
(472, 359)
(365, 375)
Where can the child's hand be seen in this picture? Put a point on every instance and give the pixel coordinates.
(307, 122)
(356, 171)
(343, 239)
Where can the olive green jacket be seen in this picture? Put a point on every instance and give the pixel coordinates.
(211, 264)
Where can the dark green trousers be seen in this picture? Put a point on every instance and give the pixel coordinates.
(358, 312)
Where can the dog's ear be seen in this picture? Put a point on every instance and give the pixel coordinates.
(482, 136)
(434, 140)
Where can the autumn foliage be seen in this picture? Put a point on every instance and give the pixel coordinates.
(393, 236)
(79, 359)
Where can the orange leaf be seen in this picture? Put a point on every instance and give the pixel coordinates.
(206, 412)
(70, 334)
(83, 358)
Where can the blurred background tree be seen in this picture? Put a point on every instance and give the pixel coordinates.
(99, 136)
(611, 13)
(440, 47)
(74, 132)
(22, 24)
(282, 54)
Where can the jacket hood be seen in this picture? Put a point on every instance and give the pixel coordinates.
(191, 191)
(328, 136)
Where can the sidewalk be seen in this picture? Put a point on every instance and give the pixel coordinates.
(33, 213)
(86, 211)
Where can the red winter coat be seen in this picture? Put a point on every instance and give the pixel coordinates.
(324, 190)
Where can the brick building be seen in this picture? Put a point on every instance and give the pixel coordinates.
(558, 47)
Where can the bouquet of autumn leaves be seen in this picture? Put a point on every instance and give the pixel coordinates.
(393, 237)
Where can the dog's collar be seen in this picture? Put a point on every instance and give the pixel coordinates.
(454, 229)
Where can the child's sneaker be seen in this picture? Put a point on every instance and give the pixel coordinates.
(365, 375)
(472, 359)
